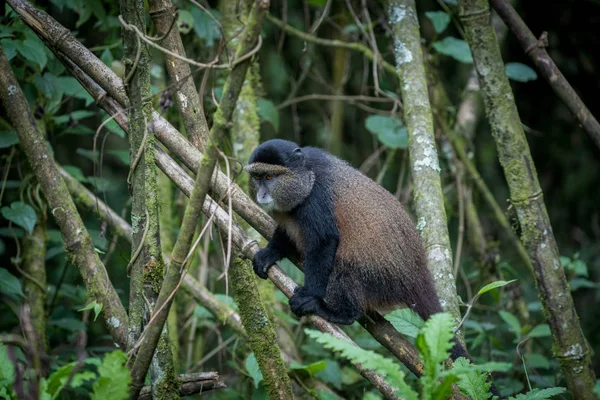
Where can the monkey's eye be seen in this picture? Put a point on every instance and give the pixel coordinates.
(257, 177)
(269, 177)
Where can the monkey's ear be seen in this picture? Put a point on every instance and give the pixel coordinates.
(297, 158)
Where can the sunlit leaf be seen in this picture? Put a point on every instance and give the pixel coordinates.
(439, 19)
(406, 321)
(390, 131)
(253, 369)
(493, 285)
(455, 48)
(520, 72)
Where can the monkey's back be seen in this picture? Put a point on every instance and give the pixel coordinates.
(380, 253)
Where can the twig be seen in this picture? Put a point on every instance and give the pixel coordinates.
(536, 50)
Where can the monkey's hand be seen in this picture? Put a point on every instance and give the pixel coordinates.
(304, 302)
(263, 260)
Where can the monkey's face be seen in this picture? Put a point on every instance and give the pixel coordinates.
(264, 184)
(277, 188)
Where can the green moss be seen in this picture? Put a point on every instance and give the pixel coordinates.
(261, 332)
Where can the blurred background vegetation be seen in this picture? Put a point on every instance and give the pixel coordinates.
(369, 134)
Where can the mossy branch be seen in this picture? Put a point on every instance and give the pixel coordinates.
(418, 118)
(78, 242)
(34, 284)
(261, 333)
(193, 210)
(570, 346)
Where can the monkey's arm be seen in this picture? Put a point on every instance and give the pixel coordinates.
(279, 247)
(321, 238)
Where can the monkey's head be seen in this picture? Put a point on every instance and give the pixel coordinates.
(280, 179)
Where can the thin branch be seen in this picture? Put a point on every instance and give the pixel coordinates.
(536, 50)
(361, 48)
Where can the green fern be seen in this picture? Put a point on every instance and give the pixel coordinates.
(539, 394)
(434, 342)
(368, 359)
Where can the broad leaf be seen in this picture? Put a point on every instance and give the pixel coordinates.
(10, 285)
(21, 214)
(390, 131)
(253, 369)
(406, 321)
(8, 138)
(268, 112)
(470, 381)
(493, 285)
(542, 330)
(439, 19)
(520, 72)
(455, 48)
(540, 394)
(512, 322)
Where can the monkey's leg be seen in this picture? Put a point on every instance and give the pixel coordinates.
(341, 305)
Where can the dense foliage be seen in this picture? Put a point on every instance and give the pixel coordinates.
(327, 96)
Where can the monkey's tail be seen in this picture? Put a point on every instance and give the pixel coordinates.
(459, 351)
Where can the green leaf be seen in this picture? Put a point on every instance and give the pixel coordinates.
(21, 214)
(10, 285)
(512, 321)
(202, 313)
(185, 21)
(8, 138)
(331, 374)
(579, 283)
(470, 381)
(253, 369)
(369, 360)
(597, 387)
(437, 334)
(444, 390)
(268, 112)
(493, 285)
(33, 51)
(75, 172)
(122, 155)
(89, 154)
(97, 307)
(439, 19)
(540, 394)
(579, 267)
(317, 3)
(537, 361)
(7, 369)
(227, 300)
(406, 321)
(542, 330)
(114, 379)
(10, 47)
(520, 72)
(310, 368)
(390, 131)
(205, 26)
(455, 48)
(69, 324)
